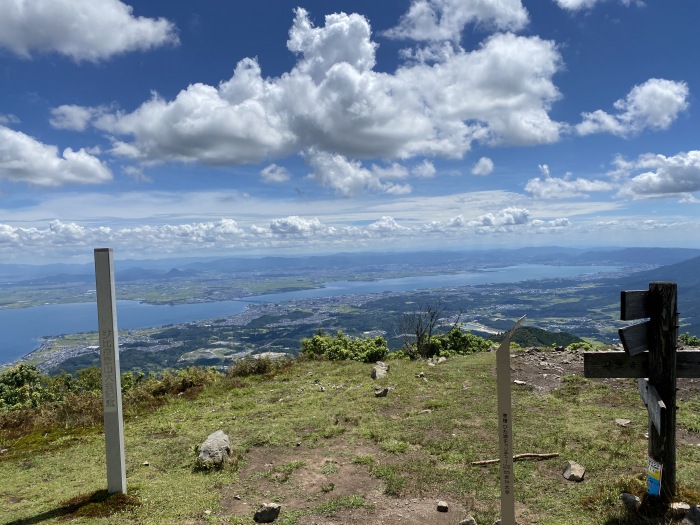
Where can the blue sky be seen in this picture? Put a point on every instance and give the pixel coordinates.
(163, 128)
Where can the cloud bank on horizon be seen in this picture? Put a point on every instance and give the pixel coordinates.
(433, 127)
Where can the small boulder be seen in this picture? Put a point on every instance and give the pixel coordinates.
(469, 520)
(442, 506)
(630, 500)
(381, 391)
(379, 370)
(267, 513)
(573, 471)
(215, 450)
(622, 422)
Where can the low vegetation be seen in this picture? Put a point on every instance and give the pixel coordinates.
(342, 347)
(311, 435)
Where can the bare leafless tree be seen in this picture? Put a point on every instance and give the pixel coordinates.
(416, 328)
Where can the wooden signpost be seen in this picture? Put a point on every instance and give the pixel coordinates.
(650, 356)
(111, 377)
(505, 428)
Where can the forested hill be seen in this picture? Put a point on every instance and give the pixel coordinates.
(530, 336)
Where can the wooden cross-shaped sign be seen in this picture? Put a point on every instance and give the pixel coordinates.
(650, 356)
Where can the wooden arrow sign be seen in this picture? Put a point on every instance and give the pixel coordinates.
(652, 400)
(619, 364)
(635, 338)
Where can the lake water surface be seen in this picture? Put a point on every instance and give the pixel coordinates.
(22, 328)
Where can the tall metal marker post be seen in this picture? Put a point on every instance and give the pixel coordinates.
(111, 377)
(505, 428)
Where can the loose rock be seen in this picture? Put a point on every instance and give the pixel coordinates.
(630, 500)
(679, 508)
(379, 370)
(267, 513)
(573, 471)
(622, 422)
(381, 391)
(215, 450)
(442, 506)
(469, 520)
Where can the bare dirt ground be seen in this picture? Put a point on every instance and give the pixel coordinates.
(308, 487)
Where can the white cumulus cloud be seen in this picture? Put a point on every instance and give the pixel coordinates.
(25, 159)
(663, 176)
(446, 19)
(578, 5)
(90, 30)
(655, 105)
(298, 226)
(275, 174)
(72, 117)
(348, 177)
(502, 219)
(548, 187)
(484, 166)
(424, 170)
(333, 102)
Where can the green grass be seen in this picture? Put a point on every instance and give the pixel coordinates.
(57, 473)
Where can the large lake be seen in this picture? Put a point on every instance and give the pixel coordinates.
(22, 328)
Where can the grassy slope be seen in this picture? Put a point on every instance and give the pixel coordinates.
(410, 452)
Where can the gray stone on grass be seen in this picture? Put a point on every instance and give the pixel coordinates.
(573, 471)
(630, 500)
(379, 370)
(215, 450)
(267, 513)
(381, 391)
(469, 520)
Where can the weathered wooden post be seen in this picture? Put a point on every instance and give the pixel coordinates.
(111, 378)
(505, 428)
(663, 334)
(650, 352)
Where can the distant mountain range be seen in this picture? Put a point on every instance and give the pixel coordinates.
(167, 269)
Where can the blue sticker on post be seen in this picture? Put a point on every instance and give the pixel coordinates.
(654, 478)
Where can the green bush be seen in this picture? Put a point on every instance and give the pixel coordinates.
(342, 347)
(457, 342)
(580, 346)
(689, 340)
(23, 386)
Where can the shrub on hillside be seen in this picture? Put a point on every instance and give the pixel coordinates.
(457, 342)
(252, 365)
(342, 347)
(23, 386)
(689, 340)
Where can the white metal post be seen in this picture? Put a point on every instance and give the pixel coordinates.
(111, 377)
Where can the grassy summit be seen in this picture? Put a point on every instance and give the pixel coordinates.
(312, 436)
